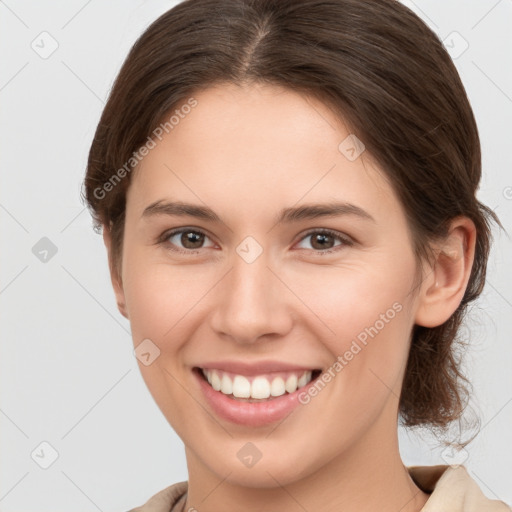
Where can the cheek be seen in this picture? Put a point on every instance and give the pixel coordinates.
(159, 299)
(356, 296)
(160, 295)
(363, 312)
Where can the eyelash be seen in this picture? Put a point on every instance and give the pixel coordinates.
(164, 239)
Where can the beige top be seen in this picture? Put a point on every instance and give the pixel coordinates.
(451, 489)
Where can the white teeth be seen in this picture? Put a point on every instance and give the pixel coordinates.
(241, 387)
(260, 388)
(215, 381)
(277, 387)
(226, 385)
(291, 383)
(304, 379)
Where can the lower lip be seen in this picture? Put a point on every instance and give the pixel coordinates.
(254, 414)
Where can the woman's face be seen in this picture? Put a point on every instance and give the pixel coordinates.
(257, 292)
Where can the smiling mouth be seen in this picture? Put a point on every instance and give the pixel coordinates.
(257, 388)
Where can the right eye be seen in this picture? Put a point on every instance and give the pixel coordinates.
(190, 238)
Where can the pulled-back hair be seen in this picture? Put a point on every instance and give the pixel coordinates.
(381, 70)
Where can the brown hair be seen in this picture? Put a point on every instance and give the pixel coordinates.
(380, 68)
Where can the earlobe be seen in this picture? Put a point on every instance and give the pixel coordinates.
(114, 277)
(444, 286)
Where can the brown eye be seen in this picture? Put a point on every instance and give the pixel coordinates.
(184, 240)
(191, 239)
(324, 240)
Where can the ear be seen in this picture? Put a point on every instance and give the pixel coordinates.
(115, 278)
(445, 284)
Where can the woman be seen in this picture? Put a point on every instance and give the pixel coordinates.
(287, 196)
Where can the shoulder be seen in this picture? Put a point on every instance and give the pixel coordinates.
(170, 499)
(451, 488)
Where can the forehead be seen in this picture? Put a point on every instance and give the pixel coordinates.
(267, 145)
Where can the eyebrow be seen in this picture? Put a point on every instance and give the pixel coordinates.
(287, 215)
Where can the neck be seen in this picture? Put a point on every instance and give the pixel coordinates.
(367, 477)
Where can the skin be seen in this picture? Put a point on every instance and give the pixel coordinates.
(247, 152)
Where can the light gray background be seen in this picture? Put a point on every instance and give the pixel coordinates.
(68, 373)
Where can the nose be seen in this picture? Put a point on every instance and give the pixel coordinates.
(252, 303)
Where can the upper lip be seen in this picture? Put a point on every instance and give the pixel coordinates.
(256, 368)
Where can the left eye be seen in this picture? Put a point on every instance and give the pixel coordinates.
(321, 240)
